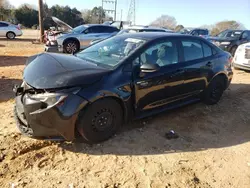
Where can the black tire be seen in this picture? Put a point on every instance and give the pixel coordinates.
(212, 94)
(11, 35)
(100, 121)
(71, 46)
(233, 50)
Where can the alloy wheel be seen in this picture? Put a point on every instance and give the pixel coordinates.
(71, 47)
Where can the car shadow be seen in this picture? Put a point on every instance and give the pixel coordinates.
(199, 127)
(6, 92)
(6, 61)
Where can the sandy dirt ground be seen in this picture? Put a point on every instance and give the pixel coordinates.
(213, 149)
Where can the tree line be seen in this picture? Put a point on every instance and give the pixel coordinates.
(170, 22)
(27, 16)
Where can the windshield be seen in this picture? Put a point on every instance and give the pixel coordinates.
(229, 34)
(109, 53)
(79, 29)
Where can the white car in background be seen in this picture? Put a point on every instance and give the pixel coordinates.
(9, 30)
(241, 58)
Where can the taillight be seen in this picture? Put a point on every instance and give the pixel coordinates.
(18, 27)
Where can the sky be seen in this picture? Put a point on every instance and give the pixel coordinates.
(190, 13)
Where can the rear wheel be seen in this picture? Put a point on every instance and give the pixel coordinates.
(10, 35)
(214, 91)
(100, 121)
(71, 46)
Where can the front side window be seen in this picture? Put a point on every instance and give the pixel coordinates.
(203, 32)
(163, 54)
(192, 50)
(79, 29)
(245, 35)
(109, 53)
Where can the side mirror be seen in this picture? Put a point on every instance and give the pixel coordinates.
(149, 67)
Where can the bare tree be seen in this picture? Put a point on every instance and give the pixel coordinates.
(223, 25)
(165, 21)
(179, 28)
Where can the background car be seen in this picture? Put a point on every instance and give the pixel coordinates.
(81, 36)
(137, 29)
(199, 32)
(71, 40)
(124, 77)
(230, 44)
(195, 32)
(241, 59)
(9, 30)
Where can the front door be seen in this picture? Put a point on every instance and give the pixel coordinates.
(157, 89)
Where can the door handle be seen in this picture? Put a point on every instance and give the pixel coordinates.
(209, 64)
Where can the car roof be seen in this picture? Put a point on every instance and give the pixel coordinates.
(102, 25)
(157, 35)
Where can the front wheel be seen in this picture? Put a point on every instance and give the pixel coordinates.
(212, 94)
(71, 47)
(100, 121)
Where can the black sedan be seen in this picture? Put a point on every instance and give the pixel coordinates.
(92, 93)
(229, 40)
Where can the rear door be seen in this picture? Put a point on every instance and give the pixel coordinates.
(199, 62)
(3, 29)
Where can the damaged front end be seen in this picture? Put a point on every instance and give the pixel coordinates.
(47, 113)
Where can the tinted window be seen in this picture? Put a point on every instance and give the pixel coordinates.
(245, 35)
(207, 50)
(203, 32)
(192, 50)
(79, 29)
(101, 29)
(3, 24)
(95, 29)
(109, 29)
(163, 54)
(151, 30)
(195, 33)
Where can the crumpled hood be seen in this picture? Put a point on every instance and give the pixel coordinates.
(52, 71)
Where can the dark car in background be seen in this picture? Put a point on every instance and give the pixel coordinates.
(231, 39)
(195, 32)
(138, 29)
(130, 76)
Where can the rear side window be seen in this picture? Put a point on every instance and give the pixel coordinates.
(192, 50)
(207, 50)
(3, 24)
